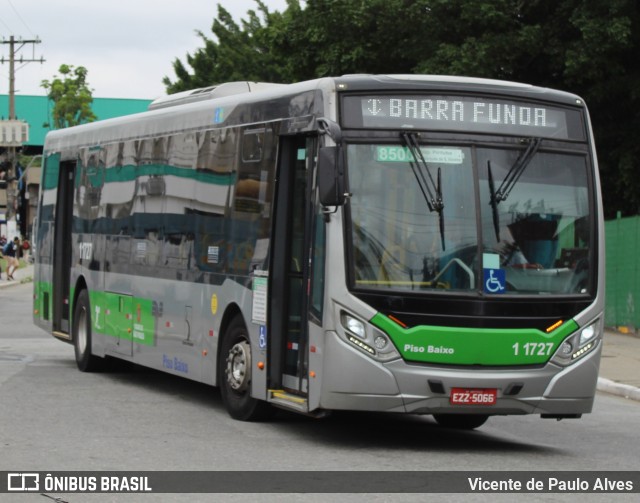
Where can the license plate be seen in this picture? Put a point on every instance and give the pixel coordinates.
(463, 396)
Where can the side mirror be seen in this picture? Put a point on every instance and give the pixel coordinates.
(331, 184)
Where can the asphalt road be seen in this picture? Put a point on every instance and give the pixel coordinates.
(56, 418)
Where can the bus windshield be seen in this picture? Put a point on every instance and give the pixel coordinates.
(507, 226)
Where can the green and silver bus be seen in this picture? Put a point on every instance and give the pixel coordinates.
(404, 243)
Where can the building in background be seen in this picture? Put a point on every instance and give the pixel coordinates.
(20, 184)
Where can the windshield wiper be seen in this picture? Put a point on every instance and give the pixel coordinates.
(431, 190)
(517, 169)
(494, 203)
(509, 182)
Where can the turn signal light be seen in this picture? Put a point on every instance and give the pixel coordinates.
(554, 326)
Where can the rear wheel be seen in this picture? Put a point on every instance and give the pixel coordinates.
(234, 375)
(461, 421)
(82, 335)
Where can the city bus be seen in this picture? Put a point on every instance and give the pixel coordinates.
(394, 243)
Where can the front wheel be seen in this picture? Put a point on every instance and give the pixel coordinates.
(234, 375)
(82, 335)
(461, 421)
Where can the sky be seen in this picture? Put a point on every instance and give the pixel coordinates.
(127, 46)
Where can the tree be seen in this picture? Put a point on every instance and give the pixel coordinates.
(237, 52)
(310, 39)
(71, 97)
(588, 47)
(337, 37)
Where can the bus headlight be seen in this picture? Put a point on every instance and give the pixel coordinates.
(587, 334)
(353, 325)
(368, 339)
(579, 344)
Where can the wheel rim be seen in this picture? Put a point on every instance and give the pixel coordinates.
(82, 335)
(239, 366)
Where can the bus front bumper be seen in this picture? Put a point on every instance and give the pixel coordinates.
(354, 381)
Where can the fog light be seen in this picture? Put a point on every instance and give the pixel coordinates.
(380, 342)
(566, 348)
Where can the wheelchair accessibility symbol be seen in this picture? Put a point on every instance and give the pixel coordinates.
(262, 340)
(495, 281)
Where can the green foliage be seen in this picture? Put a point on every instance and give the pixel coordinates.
(238, 53)
(71, 97)
(336, 37)
(589, 47)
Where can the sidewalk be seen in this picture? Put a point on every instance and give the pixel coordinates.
(22, 275)
(619, 367)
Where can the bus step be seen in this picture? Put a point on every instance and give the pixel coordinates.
(62, 335)
(288, 401)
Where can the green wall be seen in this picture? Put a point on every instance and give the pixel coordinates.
(36, 109)
(623, 272)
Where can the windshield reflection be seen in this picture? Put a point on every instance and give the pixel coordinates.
(541, 245)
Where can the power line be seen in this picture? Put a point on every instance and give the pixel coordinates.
(6, 26)
(20, 18)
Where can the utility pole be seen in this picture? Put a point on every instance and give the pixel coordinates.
(18, 132)
(12, 71)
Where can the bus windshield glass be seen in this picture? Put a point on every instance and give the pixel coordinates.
(508, 225)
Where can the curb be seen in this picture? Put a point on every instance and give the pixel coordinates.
(619, 389)
(5, 283)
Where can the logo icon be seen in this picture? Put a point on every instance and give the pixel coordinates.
(495, 280)
(23, 481)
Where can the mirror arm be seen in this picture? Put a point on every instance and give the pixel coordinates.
(330, 128)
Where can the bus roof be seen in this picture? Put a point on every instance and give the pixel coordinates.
(456, 84)
(210, 108)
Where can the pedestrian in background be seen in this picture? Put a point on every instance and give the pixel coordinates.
(11, 251)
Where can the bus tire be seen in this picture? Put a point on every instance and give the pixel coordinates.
(85, 361)
(461, 421)
(234, 375)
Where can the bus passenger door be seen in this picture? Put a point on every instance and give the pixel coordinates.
(63, 247)
(291, 259)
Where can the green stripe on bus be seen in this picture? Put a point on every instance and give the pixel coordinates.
(474, 346)
(43, 300)
(98, 177)
(129, 172)
(123, 316)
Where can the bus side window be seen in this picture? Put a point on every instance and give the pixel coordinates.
(250, 222)
(253, 145)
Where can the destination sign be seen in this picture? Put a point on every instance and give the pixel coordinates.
(457, 113)
(436, 155)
